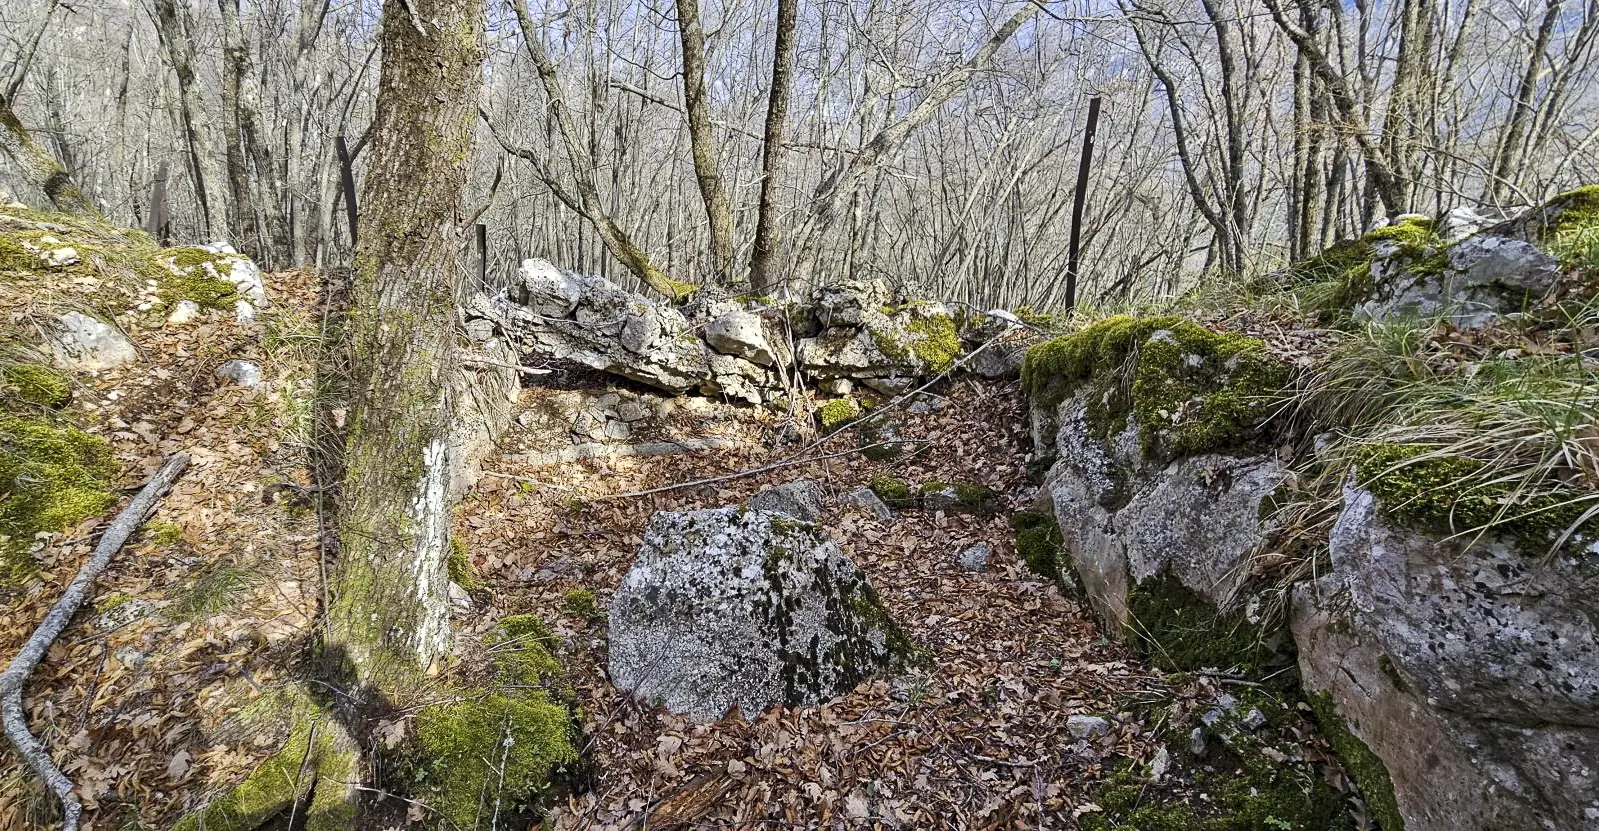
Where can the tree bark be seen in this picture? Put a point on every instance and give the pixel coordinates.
(702, 140)
(389, 619)
(764, 251)
(38, 167)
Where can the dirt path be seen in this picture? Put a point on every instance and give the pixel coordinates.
(975, 739)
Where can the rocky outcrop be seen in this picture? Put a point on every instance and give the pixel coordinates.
(82, 342)
(1470, 671)
(1473, 282)
(736, 607)
(591, 321)
(856, 332)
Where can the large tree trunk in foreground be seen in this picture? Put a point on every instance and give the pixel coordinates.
(388, 618)
(38, 167)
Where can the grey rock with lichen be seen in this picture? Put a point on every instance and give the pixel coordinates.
(594, 322)
(1473, 284)
(975, 557)
(239, 372)
(730, 607)
(801, 499)
(82, 342)
(740, 333)
(867, 500)
(1471, 671)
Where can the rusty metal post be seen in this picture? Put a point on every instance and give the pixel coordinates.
(1073, 262)
(347, 176)
(159, 223)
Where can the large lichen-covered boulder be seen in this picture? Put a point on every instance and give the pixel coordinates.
(1160, 479)
(594, 322)
(1466, 671)
(734, 607)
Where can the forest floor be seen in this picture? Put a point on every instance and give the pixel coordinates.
(212, 606)
(975, 738)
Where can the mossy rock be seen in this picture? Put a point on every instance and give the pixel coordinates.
(1450, 494)
(1368, 771)
(1245, 782)
(880, 438)
(492, 751)
(505, 746)
(839, 412)
(1181, 631)
(52, 476)
(1190, 390)
(894, 492)
(1038, 543)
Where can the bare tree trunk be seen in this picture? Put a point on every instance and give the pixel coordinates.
(38, 167)
(702, 141)
(1390, 188)
(838, 188)
(587, 200)
(764, 251)
(389, 618)
(1521, 106)
(209, 177)
(235, 66)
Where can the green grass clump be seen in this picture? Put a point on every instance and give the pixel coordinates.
(213, 590)
(37, 384)
(51, 478)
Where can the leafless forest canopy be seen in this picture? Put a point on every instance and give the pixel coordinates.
(930, 140)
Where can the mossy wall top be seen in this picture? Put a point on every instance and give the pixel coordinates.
(1187, 388)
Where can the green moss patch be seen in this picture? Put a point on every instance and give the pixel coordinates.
(36, 384)
(1420, 490)
(521, 651)
(1250, 778)
(51, 478)
(1190, 390)
(493, 755)
(1181, 631)
(1573, 236)
(195, 274)
(1368, 771)
(894, 492)
(838, 412)
(1038, 543)
(459, 566)
(580, 603)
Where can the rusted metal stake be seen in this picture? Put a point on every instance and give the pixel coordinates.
(1072, 259)
(347, 176)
